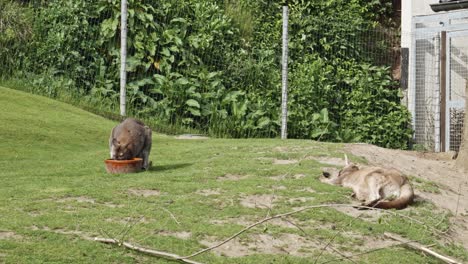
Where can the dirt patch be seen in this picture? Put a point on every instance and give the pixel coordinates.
(246, 221)
(191, 136)
(435, 167)
(291, 244)
(279, 188)
(130, 220)
(283, 223)
(284, 162)
(144, 193)
(285, 176)
(281, 149)
(34, 213)
(112, 205)
(242, 220)
(300, 200)
(330, 160)
(82, 199)
(367, 243)
(307, 189)
(182, 234)
(79, 199)
(208, 192)
(9, 235)
(366, 215)
(64, 232)
(278, 178)
(231, 177)
(299, 176)
(262, 201)
(377, 242)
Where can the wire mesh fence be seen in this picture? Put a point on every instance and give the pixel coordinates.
(427, 94)
(439, 80)
(215, 67)
(458, 77)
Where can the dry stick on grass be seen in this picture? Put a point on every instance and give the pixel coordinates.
(344, 256)
(152, 252)
(329, 245)
(185, 259)
(128, 227)
(291, 213)
(372, 250)
(172, 215)
(419, 247)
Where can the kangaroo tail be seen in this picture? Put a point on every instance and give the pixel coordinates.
(405, 198)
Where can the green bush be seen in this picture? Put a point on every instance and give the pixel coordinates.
(15, 33)
(346, 101)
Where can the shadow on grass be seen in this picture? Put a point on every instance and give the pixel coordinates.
(169, 167)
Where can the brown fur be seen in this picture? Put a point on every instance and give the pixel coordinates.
(375, 186)
(131, 139)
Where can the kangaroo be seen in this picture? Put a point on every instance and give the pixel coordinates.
(376, 187)
(131, 139)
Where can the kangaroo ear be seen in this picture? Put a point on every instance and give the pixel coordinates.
(346, 160)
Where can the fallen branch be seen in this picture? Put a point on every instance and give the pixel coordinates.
(185, 259)
(152, 252)
(295, 212)
(415, 245)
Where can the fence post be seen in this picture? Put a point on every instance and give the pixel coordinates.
(284, 74)
(123, 57)
(443, 92)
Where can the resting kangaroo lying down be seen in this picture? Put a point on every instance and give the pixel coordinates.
(376, 187)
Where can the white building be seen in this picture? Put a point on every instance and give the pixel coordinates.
(434, 39)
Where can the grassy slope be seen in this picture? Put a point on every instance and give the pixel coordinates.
(54, 190)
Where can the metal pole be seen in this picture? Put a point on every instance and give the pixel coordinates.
(443, 92)
(284, 83)
(123, 57)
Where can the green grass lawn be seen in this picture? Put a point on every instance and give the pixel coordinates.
(54, 193)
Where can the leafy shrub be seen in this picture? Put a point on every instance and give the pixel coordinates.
(15, 33)
(361, 103)
(373, 109)
(214, 66)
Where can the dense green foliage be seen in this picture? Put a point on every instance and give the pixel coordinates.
(15, 31)
(214, 66)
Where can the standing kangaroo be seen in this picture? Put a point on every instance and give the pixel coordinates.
(131, 139)
(376, 187)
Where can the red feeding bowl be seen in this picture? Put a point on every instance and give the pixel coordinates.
(124, 166)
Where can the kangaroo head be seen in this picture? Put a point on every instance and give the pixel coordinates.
(337, 178)
(348, 169)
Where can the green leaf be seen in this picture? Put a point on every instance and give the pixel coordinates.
(192, 103)
(166, 52)
(182, 81)
(263, 122)
(194, 112)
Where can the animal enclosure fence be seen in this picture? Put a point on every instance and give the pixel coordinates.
(222, 78)
(438, 74)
